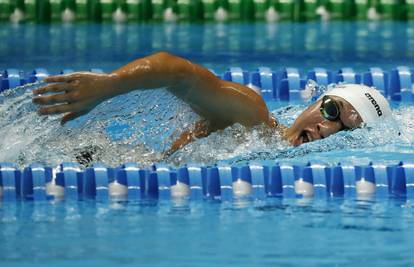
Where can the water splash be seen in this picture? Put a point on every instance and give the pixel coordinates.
(139, 126)
(136, 127)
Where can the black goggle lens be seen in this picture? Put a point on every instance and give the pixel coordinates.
(329, 109)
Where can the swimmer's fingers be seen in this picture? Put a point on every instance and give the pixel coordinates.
(58, 109)
(68, 78)
(53, 88)
(72, 111)
(71, 116)
(52, 99)
(61, 78)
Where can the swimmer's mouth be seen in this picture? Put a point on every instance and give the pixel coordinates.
(307, 136)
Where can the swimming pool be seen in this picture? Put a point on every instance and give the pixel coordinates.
(284, 230)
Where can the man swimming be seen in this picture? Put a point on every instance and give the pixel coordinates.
(220, 103)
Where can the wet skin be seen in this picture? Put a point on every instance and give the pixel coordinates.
(219, 103)
(311, 125)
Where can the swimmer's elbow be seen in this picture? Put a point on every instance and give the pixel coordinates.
(164, 56)
(177, 68)
(168, 59)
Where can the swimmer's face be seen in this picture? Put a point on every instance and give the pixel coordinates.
(311, 125)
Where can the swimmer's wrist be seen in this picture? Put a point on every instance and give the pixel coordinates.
(114, 86)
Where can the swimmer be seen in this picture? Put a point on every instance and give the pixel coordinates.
(220, 103)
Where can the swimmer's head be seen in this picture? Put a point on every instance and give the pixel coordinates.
(346, 107)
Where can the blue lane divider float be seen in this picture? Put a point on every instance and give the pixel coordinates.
(381, 179)
(195, 174)
(284, 85)
(273, 184)
(401, 84)
(337, 184)
(401, 180)
(290, 85)
(36, 178)
(11, 78)
(71, 176)
(236, 74)
(348, 75)
(218, 182)
(10, 181)
(37, 75)
(378, 78)
(321, 76)
(211, 183)
(266, 80)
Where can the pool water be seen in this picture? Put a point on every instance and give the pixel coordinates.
(138, 127)
(272, 232)
(218, 46)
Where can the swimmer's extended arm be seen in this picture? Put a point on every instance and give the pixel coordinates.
(222, 103)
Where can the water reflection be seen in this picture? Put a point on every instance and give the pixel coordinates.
(332, 45)
(263, 232)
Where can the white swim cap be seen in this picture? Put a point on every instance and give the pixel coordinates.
(367, 101)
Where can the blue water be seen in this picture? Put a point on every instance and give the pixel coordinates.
(331, 45)
(259, 232)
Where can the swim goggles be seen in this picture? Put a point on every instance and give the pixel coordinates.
(329, 109)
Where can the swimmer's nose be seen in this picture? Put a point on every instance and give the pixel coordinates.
(327, 128)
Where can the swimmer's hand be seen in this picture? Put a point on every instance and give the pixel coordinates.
(74, 94)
